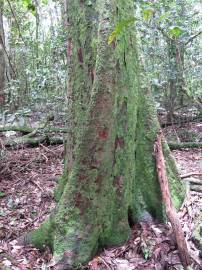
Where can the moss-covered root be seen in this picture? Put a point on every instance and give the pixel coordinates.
(40, 237)
(177, 187)
(80, 235)
(60, 187)
(146, 184)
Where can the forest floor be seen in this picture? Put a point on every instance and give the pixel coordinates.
(27, 180)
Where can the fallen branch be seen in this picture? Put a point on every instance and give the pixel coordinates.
(192, 180)
(176, 146)
(190, 174)
(197, 188)
(170, 210)
(27, 130)
(23, 130)
(32, 142)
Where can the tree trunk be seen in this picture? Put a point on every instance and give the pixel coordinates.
(37, 22)
(2, 58)
(176, 80)
(110, 176)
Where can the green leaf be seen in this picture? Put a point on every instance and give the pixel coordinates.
(112, 37)
(29, 6)
(175, 31)
(26, 3)
(45, 2)
(163, 16)
(2, 194)
(148, 13)
(119, 28)
(90, 3)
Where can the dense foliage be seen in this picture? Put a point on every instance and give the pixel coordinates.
(35, 50)
(170, 38)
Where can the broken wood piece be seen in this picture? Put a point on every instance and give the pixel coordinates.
(22, 141)
(193, 180)
(27, 130)
(190, 174)
(170, 210)
(197, 188)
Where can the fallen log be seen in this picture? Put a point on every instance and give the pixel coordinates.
(197, 188)
(27, 130)
(33, 142)
(192, 180)
(170, 210)
(176, 146)
(23, 130)
(187, 175)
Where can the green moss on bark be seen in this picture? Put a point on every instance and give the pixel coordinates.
(146, 177)
(61, 185)
(110, 162)
(41, 237)
(177, 188)
(146, 185)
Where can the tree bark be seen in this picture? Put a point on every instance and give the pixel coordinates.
(2, 58)
(176, 79)
(110, 174)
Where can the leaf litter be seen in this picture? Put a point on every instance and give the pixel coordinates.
(27, 180)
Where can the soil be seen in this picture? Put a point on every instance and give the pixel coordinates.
(27, 180)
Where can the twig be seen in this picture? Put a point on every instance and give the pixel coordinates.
(46, 148)
(35, 183)
(193, 37)
(108, 267)
(190, 174)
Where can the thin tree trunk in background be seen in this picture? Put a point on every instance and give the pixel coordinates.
(37, 21)
(2, 58)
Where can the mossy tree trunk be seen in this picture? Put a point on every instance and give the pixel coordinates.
(110, 176)
(2, 57)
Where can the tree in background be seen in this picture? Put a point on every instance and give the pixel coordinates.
(169, 30)
(110, 176)
(2, 57)
(36, 53)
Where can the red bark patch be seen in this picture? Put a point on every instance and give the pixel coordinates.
(118, 183)
(78, 199)
(80, 55)
(2, 100)
(69, 48)
(92, 74)
(81, 202)
(81, 177)
(119, 143)
(102, 133)
(68, 253)
(113, 44)
(99, 180)
(95, 164)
